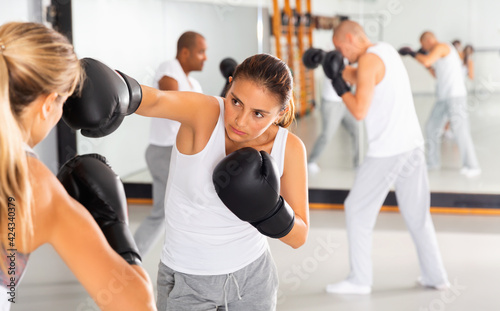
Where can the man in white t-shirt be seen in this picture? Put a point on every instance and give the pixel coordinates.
(451, 103)
(395, 156)
(172, 75)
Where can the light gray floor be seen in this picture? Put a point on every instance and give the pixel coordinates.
(470, 247)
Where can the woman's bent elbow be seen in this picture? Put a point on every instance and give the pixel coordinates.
(298, 241)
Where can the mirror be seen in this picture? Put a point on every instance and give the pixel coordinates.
(232, 29)
(384, 21)
(138, 48)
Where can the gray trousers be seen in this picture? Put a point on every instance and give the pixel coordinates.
(158, 161)
(454, 110)
(332, 115)
(373, 180)
(252, 288)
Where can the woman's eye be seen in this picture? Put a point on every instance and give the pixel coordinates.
(258, 115)
(235, 102)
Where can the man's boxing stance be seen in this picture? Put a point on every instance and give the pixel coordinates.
(395, 155)
(451, 104)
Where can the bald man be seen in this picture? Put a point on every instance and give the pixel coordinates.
(172, 75)
(451, 104)
(395, 156)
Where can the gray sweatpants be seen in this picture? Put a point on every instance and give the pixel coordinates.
(454, 110)
(373, 180)
(158, 161)
(252, 288)
(332, 115)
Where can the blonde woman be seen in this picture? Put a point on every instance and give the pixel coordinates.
(38, 71)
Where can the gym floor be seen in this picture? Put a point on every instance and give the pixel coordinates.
(469, 246)
(469, 243)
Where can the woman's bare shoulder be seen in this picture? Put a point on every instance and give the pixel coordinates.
(294, 143)
(50, 201)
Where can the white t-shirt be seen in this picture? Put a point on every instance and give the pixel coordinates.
(450, 76)
(328, 93)
(391, 123)
(202, 236)
(465, 71)
(163, 131)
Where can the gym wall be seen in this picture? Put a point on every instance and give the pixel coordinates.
(136, 36)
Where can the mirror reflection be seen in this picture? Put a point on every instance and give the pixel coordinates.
(139, 51)
(235, 29)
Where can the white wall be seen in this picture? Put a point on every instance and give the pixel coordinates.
(126, 35)
(14, 10)
(229, 32)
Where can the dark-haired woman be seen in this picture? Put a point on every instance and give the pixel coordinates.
(211, 259)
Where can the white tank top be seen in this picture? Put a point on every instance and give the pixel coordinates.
(203, 237)
(465, 71)
(391, 123)
(450, 76)
(163, 132)
(328, 93)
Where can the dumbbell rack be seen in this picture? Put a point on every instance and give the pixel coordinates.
(292, 32)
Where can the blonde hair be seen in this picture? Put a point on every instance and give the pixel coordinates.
(34, 61)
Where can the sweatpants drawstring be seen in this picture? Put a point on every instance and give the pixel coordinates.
(230, 276)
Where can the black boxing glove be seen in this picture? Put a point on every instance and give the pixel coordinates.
(227, 67)
(313, 57)
(90, 181)
(407, 51)
(106, 97)
(422, 51)
(248, 183)
(333, 66)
